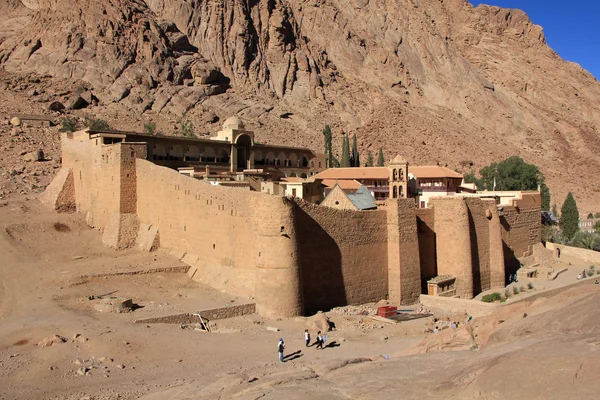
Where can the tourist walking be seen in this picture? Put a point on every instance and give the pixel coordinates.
(306, 337)
(319, 341)
(280, 349)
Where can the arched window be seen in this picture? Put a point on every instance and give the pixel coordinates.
(303, 175)
(282, 159)
(401, 192)
(176, 153)
(319, 164)
(293, 160)
(222, 156)
(304, 162)
(270, 158)
(193, 154)
(208, 155)
(312, 164)
(159, 152)
(395, 192)
(259, 158)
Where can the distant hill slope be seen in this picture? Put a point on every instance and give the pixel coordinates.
(433, 80)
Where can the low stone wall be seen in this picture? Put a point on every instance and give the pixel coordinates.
(475, 308)
(169, 319)
(586, 255)
(228, 312)
(210, 315)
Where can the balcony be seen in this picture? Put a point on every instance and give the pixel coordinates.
(378, 189)
(448, 189)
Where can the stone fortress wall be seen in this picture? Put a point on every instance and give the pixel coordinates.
(293, 257)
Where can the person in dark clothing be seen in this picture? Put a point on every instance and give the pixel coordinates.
(319, 341)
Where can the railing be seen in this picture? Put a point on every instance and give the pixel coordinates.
(437, 188)
(378, 189)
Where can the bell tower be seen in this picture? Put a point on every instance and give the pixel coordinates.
(398, 170)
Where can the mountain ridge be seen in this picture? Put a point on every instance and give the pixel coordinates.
(436, 81)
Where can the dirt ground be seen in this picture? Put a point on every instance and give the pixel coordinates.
(52, 264)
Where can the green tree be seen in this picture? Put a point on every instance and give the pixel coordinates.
(68, 125)
(345, 161)
(370, 159)
(586, 240)
(335, 163)
(355, 155)
(545, 193)
(380, 159)
(569, 221)
(488, 176)
(590, 216)
(327, 136)
(597, 227)
(515, 174)
(96, 124)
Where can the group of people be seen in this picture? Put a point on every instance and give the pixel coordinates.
(582, 275)
(319, 342)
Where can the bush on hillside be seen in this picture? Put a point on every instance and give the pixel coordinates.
(492, 297)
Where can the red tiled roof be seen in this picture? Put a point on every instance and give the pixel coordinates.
(355, 173)
(433, 171)
(344, 184)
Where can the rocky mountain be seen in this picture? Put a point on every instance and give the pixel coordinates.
(437, 81)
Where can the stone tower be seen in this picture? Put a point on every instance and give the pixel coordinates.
(398, 169)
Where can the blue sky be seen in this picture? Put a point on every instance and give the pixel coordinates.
(572, 28)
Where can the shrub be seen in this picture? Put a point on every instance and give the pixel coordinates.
(68, 125)
(186, 127)
(507, 293)
(515, 290)
(590, 272)
(530, 285)
(96, 124)
(492, 297)
(150, 128)
(523, 288)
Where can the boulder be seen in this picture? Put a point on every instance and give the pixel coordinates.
(319, 322)
(89, 97)
(49, 341)
(114, 305)
(56, 106)
(76, 102)
(15, 121)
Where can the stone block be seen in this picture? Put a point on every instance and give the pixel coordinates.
(147, 238)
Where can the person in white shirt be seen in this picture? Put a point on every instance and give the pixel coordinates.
(306, 337)
(280, 348)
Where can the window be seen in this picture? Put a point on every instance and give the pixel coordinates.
(294, 192)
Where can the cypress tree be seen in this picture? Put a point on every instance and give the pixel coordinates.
(569, 220)
(327, 135)
(355, 155)
(370, 159)
(345, 161)
(380, 159)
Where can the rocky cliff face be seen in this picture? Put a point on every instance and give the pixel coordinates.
(433, 80)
